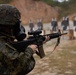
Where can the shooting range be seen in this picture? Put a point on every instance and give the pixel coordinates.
(49, 17)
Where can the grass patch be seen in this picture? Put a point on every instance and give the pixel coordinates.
(5, 1)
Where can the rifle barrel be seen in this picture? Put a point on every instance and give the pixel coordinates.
(63, 34)
(55, 35)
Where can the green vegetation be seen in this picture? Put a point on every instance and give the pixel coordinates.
(5, 1)
(51, 2)
(65, 8)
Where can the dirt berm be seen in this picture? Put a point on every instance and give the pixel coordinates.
(35, 9)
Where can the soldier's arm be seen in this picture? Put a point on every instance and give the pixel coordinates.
(12, 53)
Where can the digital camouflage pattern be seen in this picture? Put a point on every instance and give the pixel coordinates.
(9, 15)
(14, 63)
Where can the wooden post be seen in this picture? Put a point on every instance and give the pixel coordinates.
(71, 34)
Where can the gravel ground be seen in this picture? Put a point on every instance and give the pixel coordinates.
(61, 62)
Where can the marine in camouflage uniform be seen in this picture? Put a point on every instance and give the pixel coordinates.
(11, 61)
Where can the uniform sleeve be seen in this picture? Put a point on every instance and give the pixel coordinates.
(12, 53)
(25, 61)
(24, 58)
(28, 53)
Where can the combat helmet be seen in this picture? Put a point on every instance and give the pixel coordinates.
(9, 15)
(10, 21)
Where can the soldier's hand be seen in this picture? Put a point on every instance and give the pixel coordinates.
(47, 38)
(33, 47)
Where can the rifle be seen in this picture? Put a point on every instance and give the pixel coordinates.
(36, 38)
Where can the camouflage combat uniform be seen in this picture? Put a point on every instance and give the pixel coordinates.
(11, 61)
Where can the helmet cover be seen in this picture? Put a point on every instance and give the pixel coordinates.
(9, 15)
